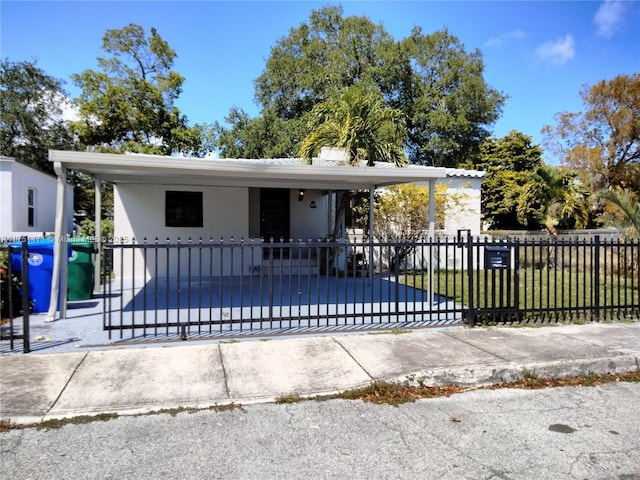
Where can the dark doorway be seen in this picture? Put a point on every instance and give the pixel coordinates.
(274, 214)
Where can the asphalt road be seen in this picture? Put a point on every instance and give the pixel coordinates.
(572, 432)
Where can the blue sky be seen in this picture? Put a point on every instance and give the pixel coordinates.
(538, 53)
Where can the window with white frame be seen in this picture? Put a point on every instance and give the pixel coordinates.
(31, 207)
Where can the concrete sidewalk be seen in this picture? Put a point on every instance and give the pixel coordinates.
(138, 380)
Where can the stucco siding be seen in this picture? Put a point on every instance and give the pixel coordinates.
(6, 209)
(139, 214)
(15, 181)
(462, 210)
(309, 223)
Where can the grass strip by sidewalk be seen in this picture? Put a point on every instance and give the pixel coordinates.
(391, 393)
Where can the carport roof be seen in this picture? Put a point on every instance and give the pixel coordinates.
(271, 173)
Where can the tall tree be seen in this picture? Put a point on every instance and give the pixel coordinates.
(319, 58)
(128, 103)
(31, 114)
(602, 143)
(508, 162)
(436, 84)
(449, 106)
(267, 136)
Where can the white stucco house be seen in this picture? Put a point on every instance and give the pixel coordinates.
(166, 198)
(28, 202)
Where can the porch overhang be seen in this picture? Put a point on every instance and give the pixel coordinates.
(273, 173)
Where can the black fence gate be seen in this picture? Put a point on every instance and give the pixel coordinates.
(234, 287)
(229, 287)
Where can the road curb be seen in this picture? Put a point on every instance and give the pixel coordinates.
(470, 376)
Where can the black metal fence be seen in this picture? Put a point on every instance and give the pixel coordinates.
(554, 280)
(14, 306)
(202, 288)
(189, 288)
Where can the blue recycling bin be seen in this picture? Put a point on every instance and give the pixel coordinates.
(40, 270)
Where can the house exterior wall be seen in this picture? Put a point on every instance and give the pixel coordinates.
(309, 223)
(6, 205)
(15, 181)
(462, 207)
(463, 211)
(305, 222)
(139, 214)
(228, 212)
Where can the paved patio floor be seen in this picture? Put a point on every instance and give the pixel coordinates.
(166, 310)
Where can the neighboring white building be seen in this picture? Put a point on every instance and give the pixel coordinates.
(463, 204)
(28, 201)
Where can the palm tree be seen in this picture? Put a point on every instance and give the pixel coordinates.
(553, 197)
(629, 206)
(359, 122)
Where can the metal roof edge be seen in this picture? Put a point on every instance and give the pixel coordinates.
(11, 161)
(271, 166)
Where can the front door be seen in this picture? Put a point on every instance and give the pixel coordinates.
(274, 214)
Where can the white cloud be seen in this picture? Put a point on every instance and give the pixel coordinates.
(608, 16)
(505, 38)
(69, 111)
(558, 52)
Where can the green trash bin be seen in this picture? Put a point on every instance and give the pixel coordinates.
(80, 269)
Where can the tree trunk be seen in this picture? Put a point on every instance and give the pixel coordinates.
(343, 201)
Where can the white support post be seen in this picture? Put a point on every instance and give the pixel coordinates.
(432, 208)
(60, 255)
(372, 190)
(98, 234)
(330, 212)
(432, 232)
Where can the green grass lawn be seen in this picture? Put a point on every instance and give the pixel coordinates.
(539, 289)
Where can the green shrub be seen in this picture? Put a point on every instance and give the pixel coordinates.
(9, 288)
